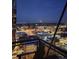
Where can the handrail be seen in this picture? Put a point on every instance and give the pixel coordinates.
(19, 56)
(24, 43)
(21, 41)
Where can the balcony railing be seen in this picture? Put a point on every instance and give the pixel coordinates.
(38, 52)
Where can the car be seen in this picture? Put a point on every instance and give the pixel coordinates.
(46, 36)
(41, 33)
(50, 37)
(21, 35)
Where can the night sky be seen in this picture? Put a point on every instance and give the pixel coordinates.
(36, 11)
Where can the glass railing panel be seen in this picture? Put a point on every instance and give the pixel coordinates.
(23, 49)
(56, 55)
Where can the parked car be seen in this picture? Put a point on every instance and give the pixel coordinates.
(21, 36)
(46, 36)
